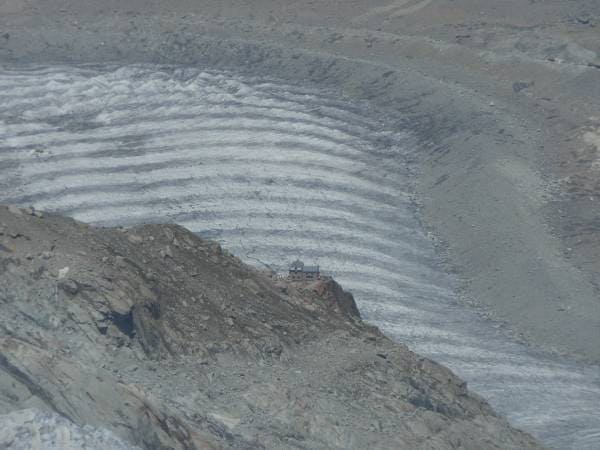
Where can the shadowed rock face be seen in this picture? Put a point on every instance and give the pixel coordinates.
(168, 341)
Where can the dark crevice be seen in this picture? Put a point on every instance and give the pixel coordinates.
(124, 322)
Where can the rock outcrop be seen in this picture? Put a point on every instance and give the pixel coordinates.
(169, 342)
(33, 429)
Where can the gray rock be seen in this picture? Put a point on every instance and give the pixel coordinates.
(169, 234)
(142, 359)
(584, 20)
(135, 239)
(30, 429)
(69, 286)
(216, 249)
(15, 210)
(518, 86)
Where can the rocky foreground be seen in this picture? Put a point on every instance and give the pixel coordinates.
(154, 338)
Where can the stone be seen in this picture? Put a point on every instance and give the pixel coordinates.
(37, 271)
(583, 20)
(169, 234)
(70, 286)
(15, 210)
(215, 249)
(167, 252)
(38, 214)
(251, 285)
(135, 239)
(62, 273)
(150, 276)
(46, 255)
(518, 86)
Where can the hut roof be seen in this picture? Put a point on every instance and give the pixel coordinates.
(297, 265)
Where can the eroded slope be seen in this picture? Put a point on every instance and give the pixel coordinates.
(170, 342)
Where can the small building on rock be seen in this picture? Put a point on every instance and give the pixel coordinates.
(299, 272)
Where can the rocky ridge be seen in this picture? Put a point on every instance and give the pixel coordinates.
(169, 342)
